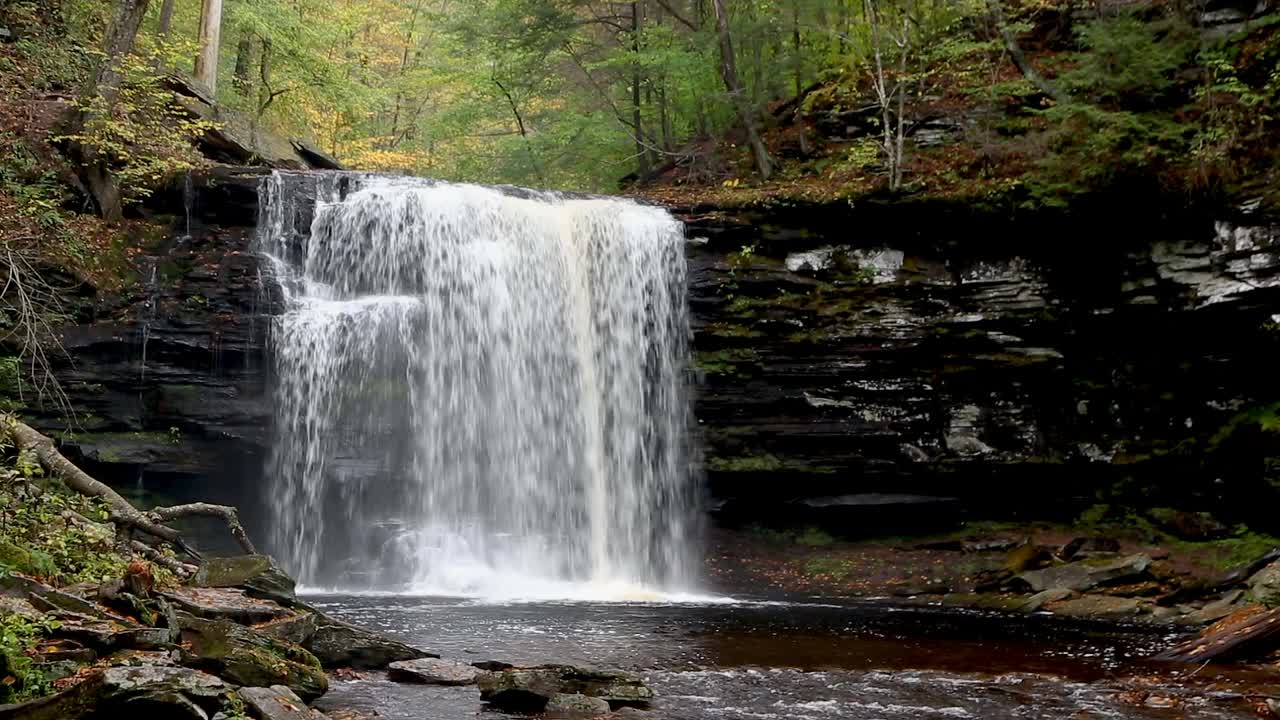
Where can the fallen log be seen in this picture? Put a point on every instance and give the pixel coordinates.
(30, 441)
(1252, 632)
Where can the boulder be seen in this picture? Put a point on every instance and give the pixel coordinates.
(297, 628)
(433, 671)
(257, 574)
(276, 703)
(1264, 586)
(236, 138)
(574, 705)
(338, 644)
(1085, 574)
(272, 584)
(146, 691)
(1044, 597)
(229, 571)
(531, 689)
(247, 657)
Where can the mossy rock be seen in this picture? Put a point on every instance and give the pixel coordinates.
(229, 571)
(244, 656)
(17, 558)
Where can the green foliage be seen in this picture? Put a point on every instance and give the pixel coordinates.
(145, 135)
(1128, 61)
(20, 679)
(808, 536)
(43, 537)
(830, 568)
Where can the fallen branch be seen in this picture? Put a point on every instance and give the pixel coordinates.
(32, 442)
(224, 512)
(1251, 637)
(29, 440)
(177, 567)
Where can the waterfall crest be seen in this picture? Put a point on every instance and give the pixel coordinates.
(478, 391)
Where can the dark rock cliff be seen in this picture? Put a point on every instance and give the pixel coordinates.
(1027, 366)
(168, 374)
(847, 357)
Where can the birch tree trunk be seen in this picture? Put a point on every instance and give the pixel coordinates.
(210, 37)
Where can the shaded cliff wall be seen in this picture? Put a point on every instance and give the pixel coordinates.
(1028, 366)
(168, 374)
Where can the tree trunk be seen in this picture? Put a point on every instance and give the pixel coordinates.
(729, 73)
(264, 74)
(637, 116)
(1018, 57)
(210, 36)
(244, 58)
(101, 92)
(796, 45)
(166, 19)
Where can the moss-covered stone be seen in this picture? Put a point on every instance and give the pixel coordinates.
(229, 571)
(247, 657)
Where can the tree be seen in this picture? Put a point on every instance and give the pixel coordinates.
(210, 37)
(737, 95)
(1018, 57)
(890, 92)
(99, 96)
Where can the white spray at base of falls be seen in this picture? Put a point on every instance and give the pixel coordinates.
(478, 391)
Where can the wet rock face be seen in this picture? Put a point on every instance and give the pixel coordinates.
(860, 355)
(168, 372)
(1014, 366)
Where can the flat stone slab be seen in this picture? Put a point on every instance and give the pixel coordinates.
(432, 671)
(224, 603)
(1097, 606)
(1085, 574)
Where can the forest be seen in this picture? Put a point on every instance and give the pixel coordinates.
(970, 97)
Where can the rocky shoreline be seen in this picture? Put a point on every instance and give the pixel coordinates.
(237, 642)
(1032, 568)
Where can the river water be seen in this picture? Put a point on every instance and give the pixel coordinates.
(805, 660)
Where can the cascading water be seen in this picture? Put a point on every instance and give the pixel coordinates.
(479, 391)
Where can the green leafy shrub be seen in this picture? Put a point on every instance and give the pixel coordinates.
(20, 679)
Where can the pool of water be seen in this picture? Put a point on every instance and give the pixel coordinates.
(799, 660)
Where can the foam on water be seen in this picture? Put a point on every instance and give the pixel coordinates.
(478, 391)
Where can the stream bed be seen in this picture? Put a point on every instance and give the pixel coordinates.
(803, 660)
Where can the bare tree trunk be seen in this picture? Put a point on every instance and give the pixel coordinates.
(795, 42)
(28, 440)
(244, 58)
(166, 19)
(264, 74)
(729, 73)
(637, 116)
(102, 90)
(1018, 57)
(210, 37)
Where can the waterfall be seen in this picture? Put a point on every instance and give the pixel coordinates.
(478, 391)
